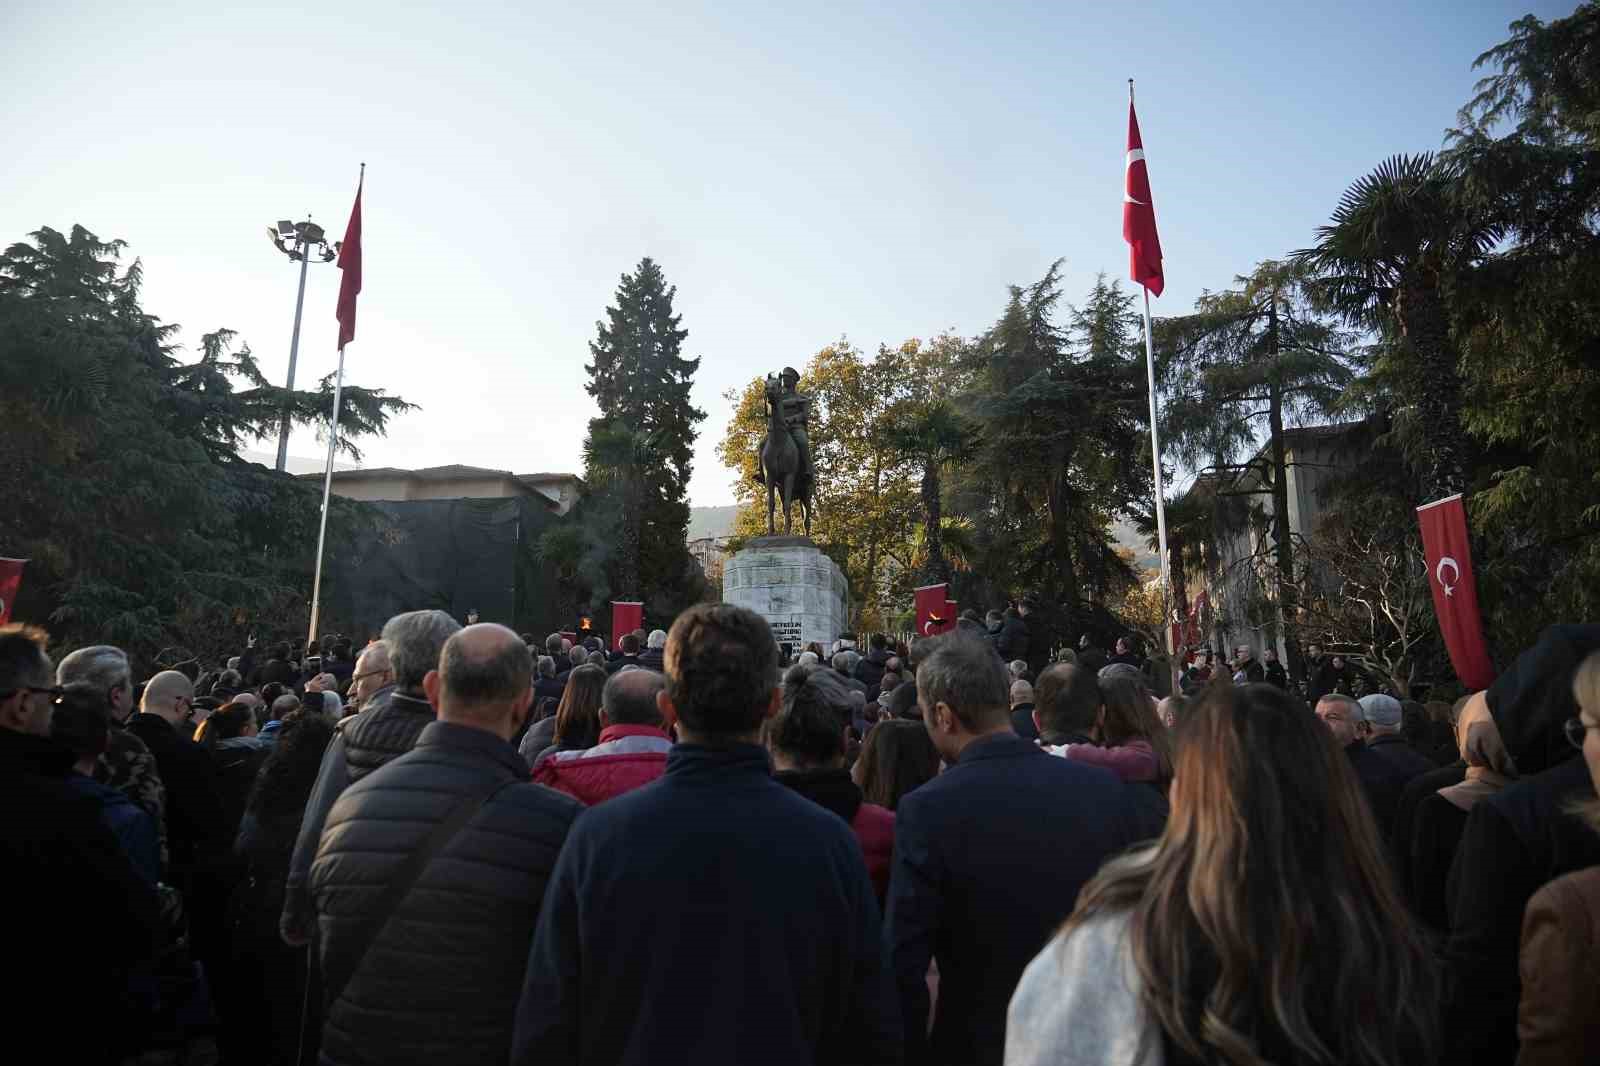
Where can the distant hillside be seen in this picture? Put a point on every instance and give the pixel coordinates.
(711, 521)
(1124, 535)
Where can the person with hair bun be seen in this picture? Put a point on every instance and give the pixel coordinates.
(1264, 926)
(807, 743)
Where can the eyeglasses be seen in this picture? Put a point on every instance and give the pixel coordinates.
(1577, 729)
(55, 692)
(371, 673)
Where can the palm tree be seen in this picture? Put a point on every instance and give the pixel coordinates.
(1388, 259)
(935, 436)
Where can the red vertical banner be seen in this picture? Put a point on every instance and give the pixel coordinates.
(626, 616)
(933, 616)
(1455, 591)
(10, 585)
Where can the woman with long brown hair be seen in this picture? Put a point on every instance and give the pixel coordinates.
(1263, 927)
(577, 719)
(1133, 743)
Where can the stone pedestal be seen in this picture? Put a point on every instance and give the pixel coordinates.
(789, 581)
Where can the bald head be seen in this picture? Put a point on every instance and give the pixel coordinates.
(484, 680)
(629, 698)
(168, 695)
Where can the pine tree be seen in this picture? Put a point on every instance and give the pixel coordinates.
(640, 448)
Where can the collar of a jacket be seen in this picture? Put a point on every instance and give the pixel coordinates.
(830, 788)
(1387, 738)
(690, 761)
(1005, 745)
(1056, 740)
(33, 754)
(481, 742)
(617, 732)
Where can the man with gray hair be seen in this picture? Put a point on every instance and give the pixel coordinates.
(971, 836)
(378, 735)
(126, 764)
(655, 649)
(844, 664)
(373, 678)
(429, 879)
(1381, 780)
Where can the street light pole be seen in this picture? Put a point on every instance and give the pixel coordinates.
(296, 240)
(294, 352)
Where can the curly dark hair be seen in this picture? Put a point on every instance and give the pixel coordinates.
(285, 781)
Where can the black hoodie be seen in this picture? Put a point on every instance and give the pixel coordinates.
(1532, 699)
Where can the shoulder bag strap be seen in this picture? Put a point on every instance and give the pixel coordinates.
(338, 971)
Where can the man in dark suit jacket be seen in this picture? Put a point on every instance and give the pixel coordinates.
(974, 884)
(629, 656)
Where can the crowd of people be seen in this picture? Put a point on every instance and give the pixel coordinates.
(466, 845)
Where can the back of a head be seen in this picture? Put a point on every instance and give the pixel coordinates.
(415, 640)
(1121, 672)
(578, 715)
(1067, 700)
(1271, 854)
(485, 673)
(901, 702)
(629, 697)
(1017, 668)
(24, 662)
(817, 706)
(80, 721)
(896, 757)
(629, 644)
(967, 676)
(1131, 716)
(722, 666)
(845, 661)
(225, 723)
(1092, 658)
(283, 705)
(807, 658)
(578, 655)
(658, 638)
(596, 658)
(1021, 692)
(878, 642)
(102, 666)
(546, 666)
(552, 645)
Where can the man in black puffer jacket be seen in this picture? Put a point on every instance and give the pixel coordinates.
(869, 671)
(435, 977)
(386, 729)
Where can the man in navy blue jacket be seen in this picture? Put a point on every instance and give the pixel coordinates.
(714, 915)
(988, 856)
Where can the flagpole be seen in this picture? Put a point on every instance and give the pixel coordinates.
(1155, 462)
(327, 488)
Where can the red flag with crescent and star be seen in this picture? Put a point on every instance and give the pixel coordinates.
(1455, 592)
(350, 264)
(933, 613)
(1139, 213)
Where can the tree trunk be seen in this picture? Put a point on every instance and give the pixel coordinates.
(1283, 542)
(628, 550)
(1437, 388)
(935, 567)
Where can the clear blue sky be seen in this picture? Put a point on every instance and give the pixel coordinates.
(800, 171)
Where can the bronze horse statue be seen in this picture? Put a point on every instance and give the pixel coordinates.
(785, 469)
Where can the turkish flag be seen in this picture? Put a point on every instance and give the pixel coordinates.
(1455, 592)
(350, 263)
(933, 614)
(626, 616)
(10, 583)
(1139, 214)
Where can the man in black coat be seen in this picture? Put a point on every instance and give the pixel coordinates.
(1515, 842)
(429, 972)
(713, 916)
(79, 915)
(975, 885)
(1382, 780)
(1384, 716)
(386, 729)
(654, 655)
(869, 671)
(1012, 640)
(197, 826)
(629, 654)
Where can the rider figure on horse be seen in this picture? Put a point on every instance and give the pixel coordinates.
(796, 413)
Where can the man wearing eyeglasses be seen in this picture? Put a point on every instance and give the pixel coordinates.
(82, 916)
(196, 825)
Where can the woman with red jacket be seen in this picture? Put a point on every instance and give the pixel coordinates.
(807, 744)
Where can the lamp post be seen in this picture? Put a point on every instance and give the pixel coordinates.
(299, 241)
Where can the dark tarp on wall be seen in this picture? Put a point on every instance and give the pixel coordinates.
(448, 555)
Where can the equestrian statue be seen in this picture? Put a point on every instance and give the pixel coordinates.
(786, 450)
